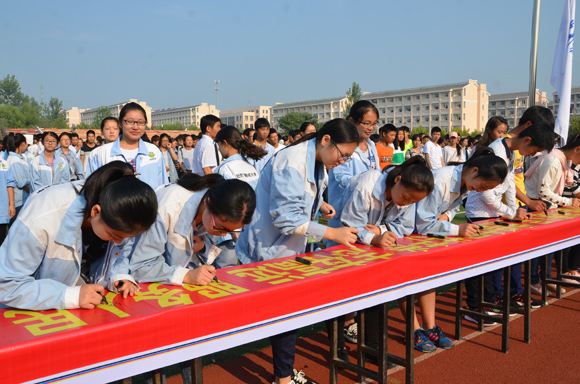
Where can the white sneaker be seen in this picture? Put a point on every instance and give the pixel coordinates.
(351, 333)
(300, 378)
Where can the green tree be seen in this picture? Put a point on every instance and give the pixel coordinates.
(293, 120)
(31, 113)
(10, 92)
(54, 109)
(574, 126)
(353, 95)
(11, 117)
(418, 130)
(102, 112)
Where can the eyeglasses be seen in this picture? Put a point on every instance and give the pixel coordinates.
(140, 123)
(342, 156)
(239, 230)
(49, 142)
(369, 124)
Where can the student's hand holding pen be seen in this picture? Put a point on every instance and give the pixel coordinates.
(575, 202)
(468, 230)
(202, 275)
(384, 240)
(91, 295)
(126, 288)
(342, 235)
(327, 210)
(537, 205)
(522, 214)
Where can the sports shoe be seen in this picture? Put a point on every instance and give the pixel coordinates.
(495, 311)
(351, 333)
(300, 378)
(536, 289)
(422, 342)
(518, 301)
(342, 354)
(437, 337)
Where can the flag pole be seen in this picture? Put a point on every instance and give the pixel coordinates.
(534, 53)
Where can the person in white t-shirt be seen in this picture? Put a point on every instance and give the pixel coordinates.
(185, 155)
(274, 140)
(453, 153)
(206, 155)
(432, 150)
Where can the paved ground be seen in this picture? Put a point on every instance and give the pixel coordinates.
(551, 357)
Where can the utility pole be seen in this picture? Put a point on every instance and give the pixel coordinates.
(217, 83)
(41, 95)
(534, 52)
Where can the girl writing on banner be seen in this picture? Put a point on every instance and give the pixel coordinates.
(66, 228)
(289, 196)
(381, 206)
(145, 158)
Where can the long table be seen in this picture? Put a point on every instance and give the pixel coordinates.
(164, 324)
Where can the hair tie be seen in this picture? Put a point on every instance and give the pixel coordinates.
(129, 174)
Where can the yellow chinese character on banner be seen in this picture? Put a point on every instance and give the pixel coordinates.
(214, 291)
(45, 323)
(164, 296)
(111, 306)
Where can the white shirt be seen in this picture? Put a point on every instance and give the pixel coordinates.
(450, 154)
(204, 155)
(185, 156)
(435, 154)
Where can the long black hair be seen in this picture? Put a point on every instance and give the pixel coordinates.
(14, 141)
(232, 136)
(414, 174)
(127, 203)
(489, 166)
(232, 200)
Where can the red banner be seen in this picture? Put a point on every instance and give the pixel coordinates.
(37, 345)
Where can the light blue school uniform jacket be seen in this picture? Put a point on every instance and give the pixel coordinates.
(6, 180)
(75, 165)
(445, 199)
(21, 173)
(288, 197)
(40, 259)
(149, 162)
(43, 174)
(340, 176)
(367, 203)
(164, 252)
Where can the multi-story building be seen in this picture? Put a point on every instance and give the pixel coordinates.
(447, 106)
(73, 116)
(574, 102)
(512, 106)
(88, 115)
(245, 117)
(323, 109)
(187, 116)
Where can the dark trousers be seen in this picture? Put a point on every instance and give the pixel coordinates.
(372, 331)
(340, 326)
(283, 352)
(571, 259)
(3, 232)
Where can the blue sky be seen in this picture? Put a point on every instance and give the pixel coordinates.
(168, 53)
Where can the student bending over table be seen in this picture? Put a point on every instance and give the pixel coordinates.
(484, 170)
(68, 228)
(381, 206)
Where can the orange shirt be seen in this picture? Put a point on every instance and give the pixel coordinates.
(385, 155)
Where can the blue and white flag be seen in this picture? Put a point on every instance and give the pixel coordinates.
(562, 68)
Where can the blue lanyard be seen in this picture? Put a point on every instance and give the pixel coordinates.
(134, 163)
(315, 203)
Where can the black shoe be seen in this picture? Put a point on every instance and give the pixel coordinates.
(342, 354)
(518, 301)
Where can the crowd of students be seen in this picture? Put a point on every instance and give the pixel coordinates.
(79, 218)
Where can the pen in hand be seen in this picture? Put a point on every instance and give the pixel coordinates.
(389, 229)
(202, 261)
(471, 222)
(86, 280)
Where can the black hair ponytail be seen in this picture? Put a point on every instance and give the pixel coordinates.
(232, 136)
(127, 203)
(233, 200)
(489, 166)
(414, 174)
(194, 182)
(341, 131)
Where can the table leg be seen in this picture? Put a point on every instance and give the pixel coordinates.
(527, 299)
(157, 376)
(458, 306)
(197, 371)
(409, 331)
(505, 333)
(333, 350)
